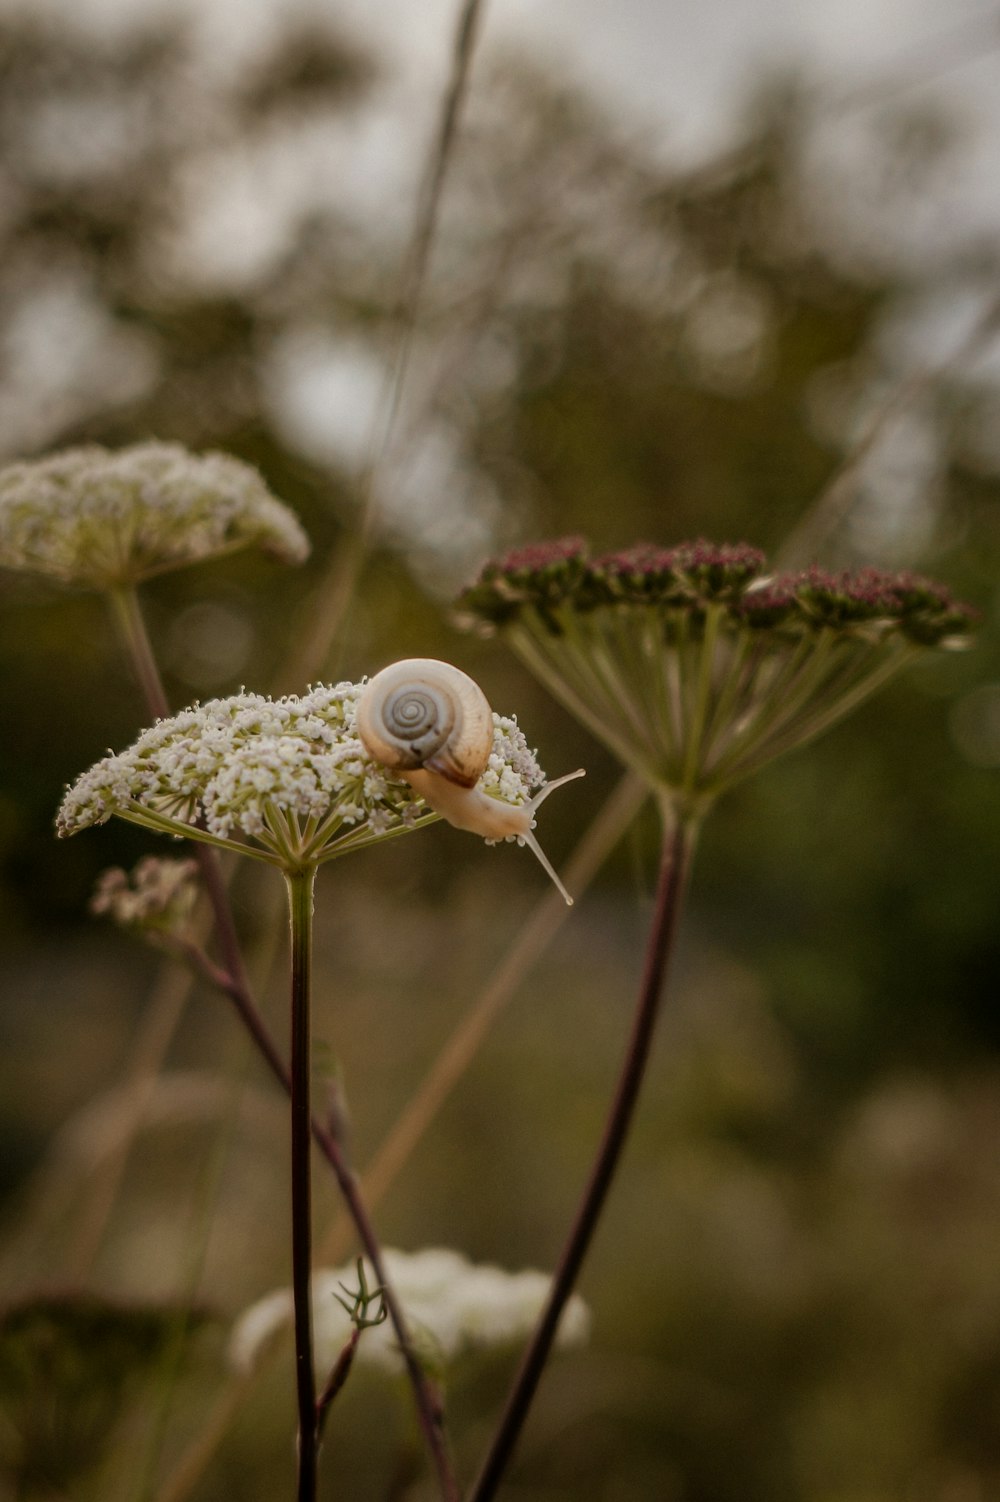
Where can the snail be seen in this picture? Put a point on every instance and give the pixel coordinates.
(432, 723)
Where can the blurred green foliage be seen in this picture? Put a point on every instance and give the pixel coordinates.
(796, 1295)
(66, 1363)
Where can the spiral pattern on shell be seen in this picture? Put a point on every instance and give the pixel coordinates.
(422, 713)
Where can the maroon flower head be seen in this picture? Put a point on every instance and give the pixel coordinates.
(547, 575)
(695, 666)
(536, 559)
(919, 609)
(541, 575)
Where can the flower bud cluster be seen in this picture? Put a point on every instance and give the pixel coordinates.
(157, 895)
(452, 1306)
(548, 577)
(512, 772)
(100, 519)
(287, 780)
(692, 663)
(919, 609)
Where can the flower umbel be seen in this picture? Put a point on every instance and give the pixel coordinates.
(285, 780)
(454, 1306)
(103, 519)
(693, 664)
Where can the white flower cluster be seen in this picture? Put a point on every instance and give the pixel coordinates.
(97, 518)
(289, 774)
(159, 893)
(512, 772)
(451, 1305)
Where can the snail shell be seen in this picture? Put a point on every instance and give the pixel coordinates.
(424, 714)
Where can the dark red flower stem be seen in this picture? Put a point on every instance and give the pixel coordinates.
(337, 1378)
(675, 860)
(300, 907)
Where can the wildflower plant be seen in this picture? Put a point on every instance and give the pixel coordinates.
(452, 1306)
(106, 521)
(694, 664)
(696, 667)
(288, 782)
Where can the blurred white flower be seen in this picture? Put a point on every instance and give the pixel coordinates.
(159, 893)
(453, 1306)
(96, 518)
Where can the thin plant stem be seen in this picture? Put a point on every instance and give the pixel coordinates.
(148, 1052)
(128, 618)
(195, 1459)
(127, 612)
(679, 835)
(429, 1413)
(838, 498)
(332, 601)
(300, 915)
(429, 1410)
(207, 1187)
(335, 1382)
(457, 1054)
(235, 983)
(699, 720)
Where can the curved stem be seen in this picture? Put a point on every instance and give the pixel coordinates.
(678, 846)
(300, 911)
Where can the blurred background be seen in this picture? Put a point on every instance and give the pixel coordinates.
(727, 271)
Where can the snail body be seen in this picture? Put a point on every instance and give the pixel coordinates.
(471, 808)
(432, 724)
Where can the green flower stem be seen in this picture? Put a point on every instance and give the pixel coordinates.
(300, 913)
(807, 728)
(698, 723)
(164, 823)
(679, 836)
(531, 650)
(236, 985)
(127, 615)
(663, 705)
(797, 683)
(734, 697)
